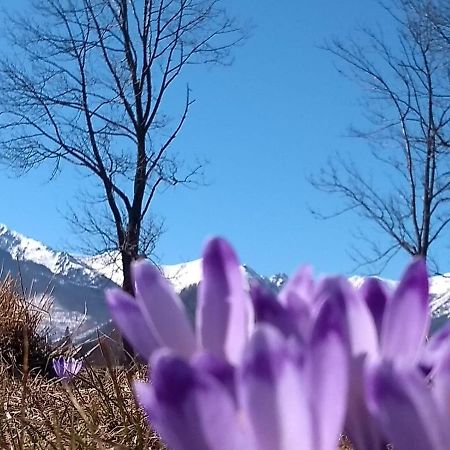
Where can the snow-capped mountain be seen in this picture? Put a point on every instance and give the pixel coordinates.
(74, 289)
(180, 275)
(75, 284)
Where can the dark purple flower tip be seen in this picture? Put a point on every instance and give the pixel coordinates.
(172, 377)
(269, 310)
(220, 369)
(266, 354)
(189, 408)
(274, 392)
(328, 364)
(66, 368)
(224, 310)
(401, 401)
(359, 321)
(219, 256)
(374, 292)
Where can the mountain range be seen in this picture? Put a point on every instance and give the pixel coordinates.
(74, 285)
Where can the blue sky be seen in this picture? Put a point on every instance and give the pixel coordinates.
(265, 123)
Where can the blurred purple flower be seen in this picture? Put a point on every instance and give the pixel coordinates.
(66, 368)
(156, 317)
(286, 395)
(395, 332)
(412, 413)
(277, 372)
(375, 322)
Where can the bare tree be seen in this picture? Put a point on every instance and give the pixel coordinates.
(93, 84)
(407, 111)
(439, 14)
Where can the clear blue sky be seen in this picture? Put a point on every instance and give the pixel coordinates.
(264, 124)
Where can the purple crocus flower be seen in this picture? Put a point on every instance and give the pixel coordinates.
(66, 368)
(280, 372)
(286, 395)
(156, 317)
(395, 333)
(412, 413)
(382, 325)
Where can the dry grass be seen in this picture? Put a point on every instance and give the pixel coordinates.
(22, 339)
(97, 411)
(345, 444)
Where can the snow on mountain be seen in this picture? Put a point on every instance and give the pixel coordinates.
(74, 289)
(106, 264)
(357, 281)
(440, 295)
(180, 275)
(75, 284)
(22, 248)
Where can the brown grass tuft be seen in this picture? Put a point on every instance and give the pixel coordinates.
(22, 340)
(97, 411)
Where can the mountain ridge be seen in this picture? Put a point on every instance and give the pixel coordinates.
(76, 284)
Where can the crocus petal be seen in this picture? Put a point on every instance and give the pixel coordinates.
(435, 351)
(224, 307)
(74, 365)
(220, 369)
(441, 388)
(189, 408)
(298, 290)
(361, 327)
(58, 366)
(402, 403)
(362, 429)
(163, 308)
(328, 374)
(407, 317)
(132, 322)
(273, 393)
(269, 310)
(373, 292)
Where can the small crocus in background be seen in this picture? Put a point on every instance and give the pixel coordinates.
(66, 368)
(291, 370)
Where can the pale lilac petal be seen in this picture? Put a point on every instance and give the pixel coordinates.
(58, 366)
(402, 403)
(374, 293)
(224, 307)
(328, 361)
(361, 327)
(362, 429)
(75, 365)
(66, 368)
(407, 317)
(188, 408)
(435, 350)
(273, 393)
(441, 387)
(298, 289)
(163, 308)
(132, 322)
